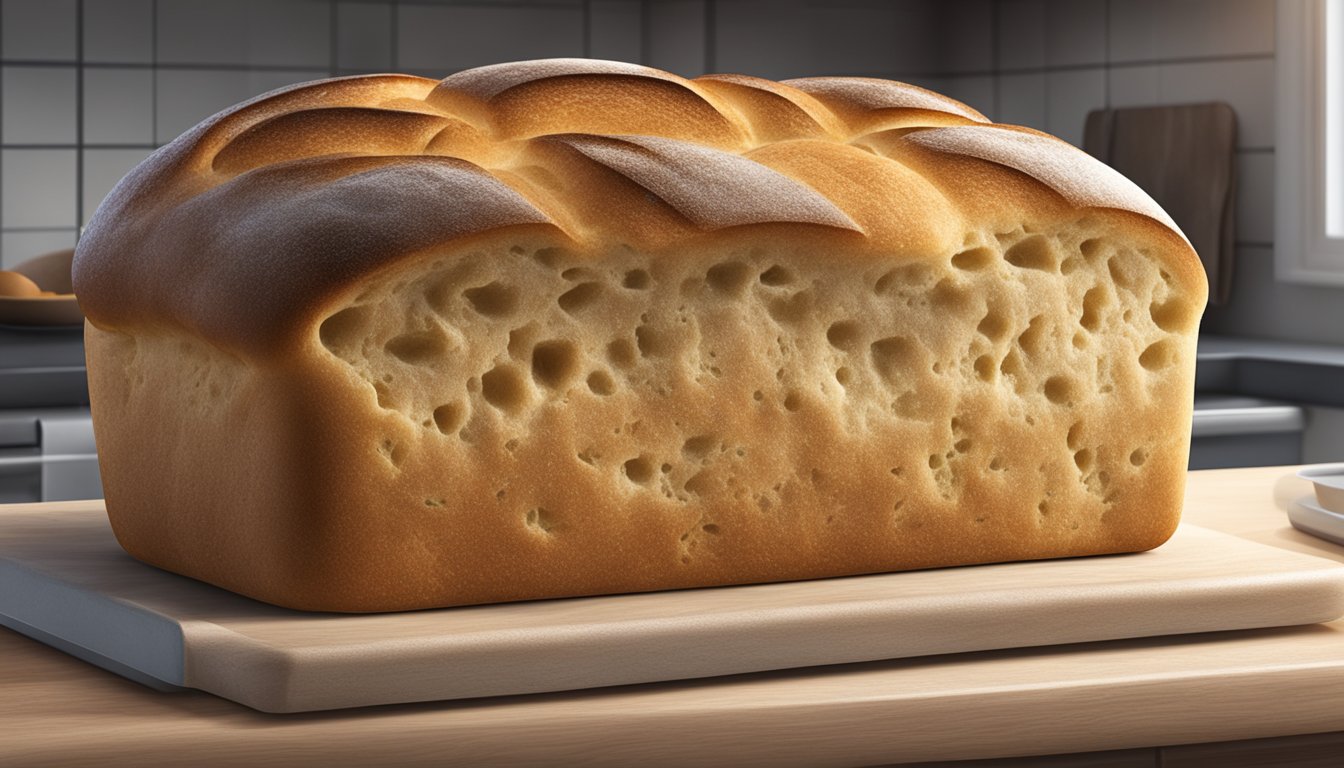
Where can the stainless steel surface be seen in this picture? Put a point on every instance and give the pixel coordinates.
(48, 454)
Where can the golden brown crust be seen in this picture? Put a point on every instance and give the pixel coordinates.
(572, 327)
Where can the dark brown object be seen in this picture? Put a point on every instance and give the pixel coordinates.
(1184, 156)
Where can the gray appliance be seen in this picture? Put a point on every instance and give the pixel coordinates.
(46, 433)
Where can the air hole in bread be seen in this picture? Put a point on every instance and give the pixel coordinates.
(520, 340)
(947, 296)
(1070, 265)
(344, 331)
(1074, 436)
(417, 348)
(638, 470)
(1033, 252)
(1083, 457)
(580, 296)
(1092, 248)
(916, 276)
(893, 357)
(710, 528)
(449, 417)
(637, 280)
(504, 388)
(1138, 457)
(844, 334)
(729, 277)
(393, 451)
(996, 464)
(555, 363)
(793, 401)
(384, 395)
(576, 273)
(844, 375)
(601, 383)
(777, 276)
(1059, 390)
(652, 342)
(1094, 301)
(790, 309)
(1171, 316)
(621, 353)
(1159, 355)
(1030, 339)
(549, 258)
(540, 520)
(493, 299)
(699, 446)
(974, 259)
(984, 368)
(994, 325)
(963, 445)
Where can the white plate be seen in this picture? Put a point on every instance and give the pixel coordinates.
(1309, 517)
(1329, 482)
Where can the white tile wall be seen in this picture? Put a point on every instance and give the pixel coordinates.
(38, 30)
(118, 106)
(1246, 84)
(1265, 308)
(1022, 100)
(1255, 197)
(103, 168)
(38, 189)
(678, 42)
(1070, 95)
(1075, 32)
(1143, 30)
(614, 30)
(282, 33)
(1021, 34)
(17, 247)
(119, 31)
(974, 90)
(966, 36)
(38, 105)
(739, 29)
(868, 39)
(438, 40)
(364, 36)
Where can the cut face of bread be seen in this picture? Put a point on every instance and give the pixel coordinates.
(790, 331)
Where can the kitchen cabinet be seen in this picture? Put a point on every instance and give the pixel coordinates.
(1129, 702)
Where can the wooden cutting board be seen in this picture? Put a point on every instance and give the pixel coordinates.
(65, 581)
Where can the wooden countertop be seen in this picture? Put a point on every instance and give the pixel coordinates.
(1100, 696)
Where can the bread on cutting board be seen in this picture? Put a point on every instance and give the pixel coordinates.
(573, 327)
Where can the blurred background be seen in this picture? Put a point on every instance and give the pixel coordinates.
(92, 87)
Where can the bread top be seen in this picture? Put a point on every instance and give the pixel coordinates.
(251, 227)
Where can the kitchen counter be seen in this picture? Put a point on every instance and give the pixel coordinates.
(1311, 374)
(1125, 697)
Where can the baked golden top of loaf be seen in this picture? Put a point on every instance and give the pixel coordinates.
(250, 226)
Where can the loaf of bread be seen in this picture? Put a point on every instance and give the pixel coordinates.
(572, 327)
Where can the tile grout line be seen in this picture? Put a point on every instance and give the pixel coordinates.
(79, 119)
(711, 36)
(644, 32)
(333, 23)
(2, 160)
(587, 29)
(154, 71)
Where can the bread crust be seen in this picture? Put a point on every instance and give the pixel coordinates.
(374, 335)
